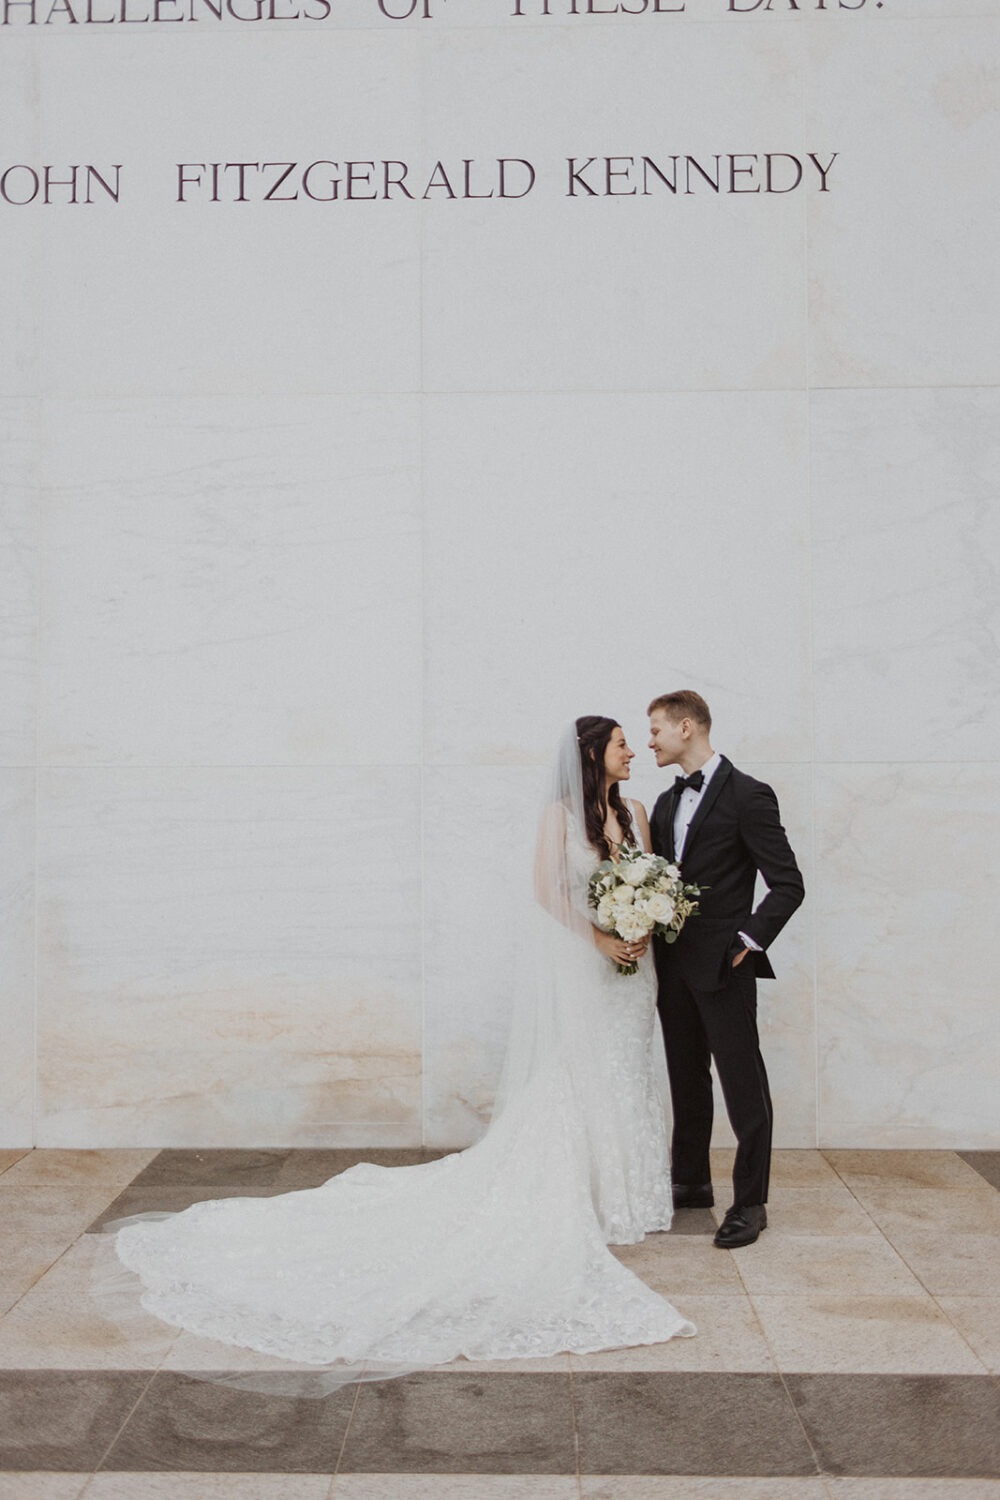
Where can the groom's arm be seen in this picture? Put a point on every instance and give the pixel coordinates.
(767, 842)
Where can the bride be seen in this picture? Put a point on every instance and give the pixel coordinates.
(499, 1251)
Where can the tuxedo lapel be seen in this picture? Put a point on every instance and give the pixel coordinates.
(671, 809)
(705, 803)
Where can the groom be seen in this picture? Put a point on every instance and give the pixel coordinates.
(723, 828)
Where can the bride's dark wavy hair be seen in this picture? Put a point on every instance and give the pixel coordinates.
(593, 732)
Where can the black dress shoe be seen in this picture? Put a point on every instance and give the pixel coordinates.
(698, 1195)
(741, 1226)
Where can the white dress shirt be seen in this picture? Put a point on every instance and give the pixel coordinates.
(687, 804)
(688, 801)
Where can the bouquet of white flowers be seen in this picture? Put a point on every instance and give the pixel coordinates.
(638, 895)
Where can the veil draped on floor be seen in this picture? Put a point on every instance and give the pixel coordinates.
(495, 1252)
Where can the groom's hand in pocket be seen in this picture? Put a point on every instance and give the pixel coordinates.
(740, 957)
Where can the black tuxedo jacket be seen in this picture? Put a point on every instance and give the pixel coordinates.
(735, 832)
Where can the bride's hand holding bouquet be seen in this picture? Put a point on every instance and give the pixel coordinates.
(636, 897)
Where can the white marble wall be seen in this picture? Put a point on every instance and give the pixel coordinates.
(318, 520)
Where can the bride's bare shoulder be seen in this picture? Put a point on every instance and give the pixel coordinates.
(641, 820)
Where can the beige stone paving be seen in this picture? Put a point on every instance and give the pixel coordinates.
(862, 1170)
(913, 1489)
(729, 1339)
(692, 1487)
(78, 1168)
(34, 1486)
(50, 1208)
(24, 1260)
(801, 1169)
(677, 1265)
(978, 1321)
(683, 1487)
(828, 1209)
(455, 1487)
(861, 1265)
(60, 1324)
(853, 1335)
(873, 1262)
(950, 1264)
(899, 1210)
(180, 1486)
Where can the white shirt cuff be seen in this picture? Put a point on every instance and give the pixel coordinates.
(749, 943)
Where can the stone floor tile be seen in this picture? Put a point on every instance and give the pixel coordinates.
(695, 1487)
(898, 1210)
(50, 1209)
(794, 1167)
(44, 1168)
(952, 1264)
(913, 1489)
(801, 1169)
(63, 1420)
(862, 1265)
(986, 1163)
(899, 1426)
(61, 1323)
(455, 1487)
(729, 1338)
(202, 1426)
(901, 1335)
(37, 1486)
(688, 1423)
(463, 1424)
(8, 1158)
(828, 1209)
(23, 1262)
(178, 1486)
(675, 1266)
(693, 1222)
(213, 1168)
(978, 1321)
(863, 1170)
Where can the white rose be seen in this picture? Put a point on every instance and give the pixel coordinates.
(660, 908)
(605, 914)
(632, 925)
(636, 870)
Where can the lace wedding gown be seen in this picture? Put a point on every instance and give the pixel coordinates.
(495, 1252)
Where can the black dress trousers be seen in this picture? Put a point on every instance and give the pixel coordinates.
(722, 1023)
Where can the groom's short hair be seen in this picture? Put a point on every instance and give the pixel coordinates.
(683, 705)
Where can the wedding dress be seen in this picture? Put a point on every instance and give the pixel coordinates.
(498, 1251)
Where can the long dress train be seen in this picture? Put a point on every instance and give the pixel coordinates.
(497, 1251)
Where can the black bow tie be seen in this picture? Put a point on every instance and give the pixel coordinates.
(695, 781)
